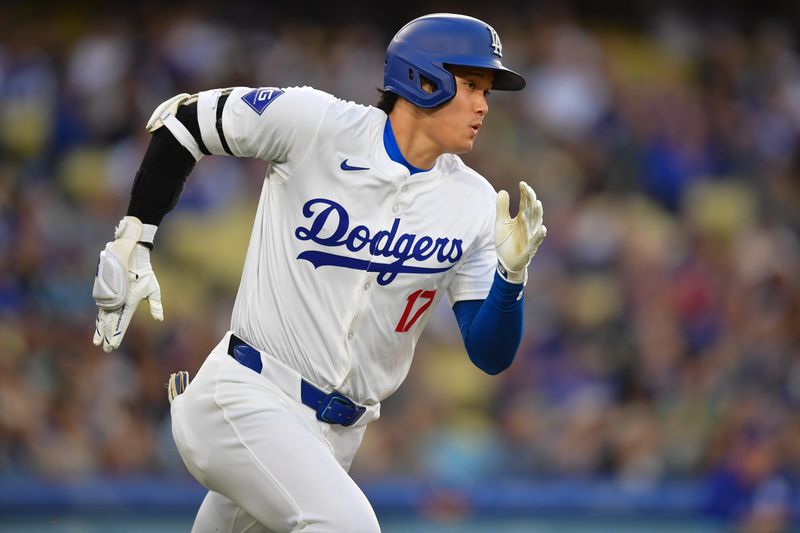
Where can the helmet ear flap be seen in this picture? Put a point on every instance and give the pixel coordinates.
(424, 87)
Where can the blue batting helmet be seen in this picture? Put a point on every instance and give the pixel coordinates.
(426, 45)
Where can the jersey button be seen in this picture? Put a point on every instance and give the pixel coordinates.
(395, 208)
(367, 285)
(349, 335)
(404, 188)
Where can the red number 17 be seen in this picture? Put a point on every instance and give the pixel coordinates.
(405, 324)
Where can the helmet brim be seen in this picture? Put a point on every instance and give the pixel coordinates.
(504, 79)
(507, 80)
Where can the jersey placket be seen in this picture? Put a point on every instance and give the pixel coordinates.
(397, 207)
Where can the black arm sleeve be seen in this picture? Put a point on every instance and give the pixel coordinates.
(166, 165)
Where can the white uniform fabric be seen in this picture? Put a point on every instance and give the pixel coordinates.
(305, 297)
(248, 442)
(349, 254)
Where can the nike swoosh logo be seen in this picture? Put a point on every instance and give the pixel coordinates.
(345, 166)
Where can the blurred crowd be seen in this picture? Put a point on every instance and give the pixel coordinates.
(662, 314)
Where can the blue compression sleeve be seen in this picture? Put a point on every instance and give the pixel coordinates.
(492, 328)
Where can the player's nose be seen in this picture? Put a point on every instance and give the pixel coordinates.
(481, 105)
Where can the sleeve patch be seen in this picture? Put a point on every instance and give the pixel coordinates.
(259, 99)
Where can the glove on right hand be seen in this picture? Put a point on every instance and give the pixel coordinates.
(124, 278)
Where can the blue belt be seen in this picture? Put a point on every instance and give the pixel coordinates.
(333, 408)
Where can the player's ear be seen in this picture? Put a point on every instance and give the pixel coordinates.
(427, 85)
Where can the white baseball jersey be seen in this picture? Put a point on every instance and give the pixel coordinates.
(349, 251)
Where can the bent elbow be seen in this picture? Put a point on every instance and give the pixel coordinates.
(493, 371)
(492, 367)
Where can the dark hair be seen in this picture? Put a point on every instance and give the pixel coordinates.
(386, 101)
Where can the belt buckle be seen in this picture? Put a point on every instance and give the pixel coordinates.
(337, 408)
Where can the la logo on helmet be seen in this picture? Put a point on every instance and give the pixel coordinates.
(497, 46)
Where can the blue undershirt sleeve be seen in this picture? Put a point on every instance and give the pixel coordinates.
(492, 328)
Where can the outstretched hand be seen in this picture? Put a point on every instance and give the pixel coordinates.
(518, 238)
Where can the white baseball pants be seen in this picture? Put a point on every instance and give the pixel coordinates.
(268, 463)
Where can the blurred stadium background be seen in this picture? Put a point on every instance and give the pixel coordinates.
(658, 384)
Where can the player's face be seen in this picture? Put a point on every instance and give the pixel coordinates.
(457, 122)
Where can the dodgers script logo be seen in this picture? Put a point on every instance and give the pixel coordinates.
(384, 243)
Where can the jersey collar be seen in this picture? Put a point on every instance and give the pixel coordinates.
(390, 144)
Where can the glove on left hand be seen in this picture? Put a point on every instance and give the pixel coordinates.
(518, 238)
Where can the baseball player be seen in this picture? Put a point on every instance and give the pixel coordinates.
(367, 218)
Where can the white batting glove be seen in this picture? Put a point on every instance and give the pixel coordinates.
(518, 238)
(124, 278)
